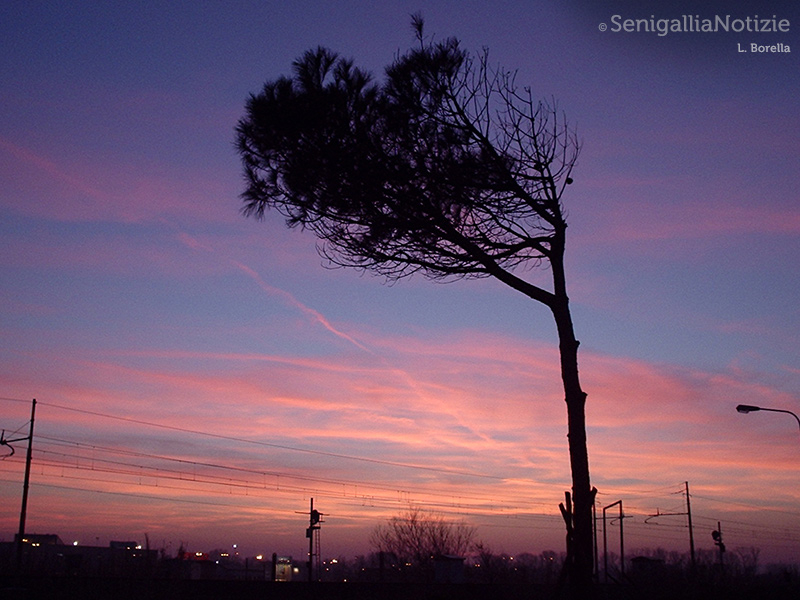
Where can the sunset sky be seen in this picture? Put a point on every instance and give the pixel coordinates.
(201, 376)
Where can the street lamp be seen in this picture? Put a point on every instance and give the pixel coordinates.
(748, 408)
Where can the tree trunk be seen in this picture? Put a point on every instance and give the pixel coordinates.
(580, 564)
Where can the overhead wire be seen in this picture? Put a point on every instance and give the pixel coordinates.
(368, 489)
(250, 471)
(387, 496)
(274, 445)
(366, 493)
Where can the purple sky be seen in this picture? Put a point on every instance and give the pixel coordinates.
(130, 286)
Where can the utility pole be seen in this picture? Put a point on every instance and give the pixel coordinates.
(26, 482)
(594, 532)
(688, 514)
(621, 540)
(717, 535)
(691, 530)
(312, 533)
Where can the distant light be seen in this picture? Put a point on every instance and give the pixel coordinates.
(260, 557)
(75, 543)
(334, 561)
(139, 547)
(235, 546)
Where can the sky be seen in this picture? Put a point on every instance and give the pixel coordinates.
(201, 376)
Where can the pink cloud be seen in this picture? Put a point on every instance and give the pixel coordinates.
(464, 402)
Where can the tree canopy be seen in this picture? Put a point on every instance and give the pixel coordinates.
(445, 167)
(417, 538)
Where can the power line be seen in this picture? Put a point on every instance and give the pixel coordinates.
(652, 493)
(365, 498)
(128, 494)
(365, 493)
(742, 504)
(275, 445)
(372, 501)
(19, 400)
(159, 471)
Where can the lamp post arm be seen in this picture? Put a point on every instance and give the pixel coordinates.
(788, 412)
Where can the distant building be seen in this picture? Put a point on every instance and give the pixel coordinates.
(47, 554)
(645, 567)
(39, 539)
(131, 546)
(281, 568)
(448, 569)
